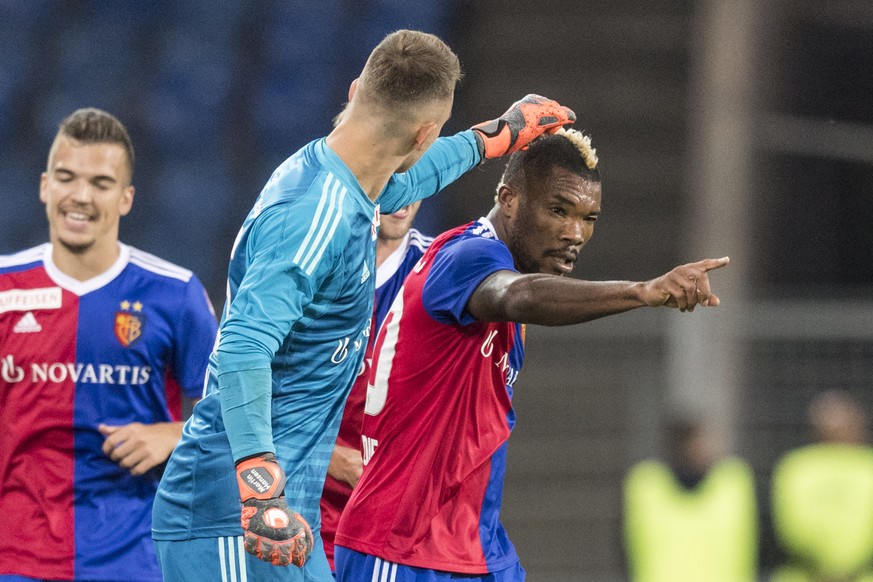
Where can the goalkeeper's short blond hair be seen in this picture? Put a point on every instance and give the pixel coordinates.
(409, 68)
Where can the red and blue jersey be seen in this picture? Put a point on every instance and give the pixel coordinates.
(389, 280)
(119, 348)
(437, 418)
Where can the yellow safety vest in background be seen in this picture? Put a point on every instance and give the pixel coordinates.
(822, 503)
(708, 534)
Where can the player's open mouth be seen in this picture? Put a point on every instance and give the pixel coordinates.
(564, 261)
(76, 219)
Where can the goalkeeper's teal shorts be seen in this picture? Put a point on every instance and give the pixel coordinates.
(225, 558)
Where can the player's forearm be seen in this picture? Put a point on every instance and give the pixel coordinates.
(174, 431)
(445, 161)
(246, 408)
(548, 300)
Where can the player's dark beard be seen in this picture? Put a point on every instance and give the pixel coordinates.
(389, 237)
(516, 243)
(394, 232)
(76, 249)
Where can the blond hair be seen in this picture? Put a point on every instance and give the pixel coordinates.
(409, 68)
(569, 149)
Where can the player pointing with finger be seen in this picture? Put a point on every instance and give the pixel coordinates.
(687, 286)
(437, 420)
(240, 496)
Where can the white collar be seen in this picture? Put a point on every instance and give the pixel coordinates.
(390, 265)
(487, 223)
(82, 287)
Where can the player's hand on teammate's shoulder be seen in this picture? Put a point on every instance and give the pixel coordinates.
(685, 287)
(140, 447)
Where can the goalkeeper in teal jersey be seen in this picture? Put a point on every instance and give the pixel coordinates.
(240, 495)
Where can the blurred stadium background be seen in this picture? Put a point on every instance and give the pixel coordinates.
(729, 127)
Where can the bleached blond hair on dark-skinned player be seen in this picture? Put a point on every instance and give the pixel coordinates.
(566, 148)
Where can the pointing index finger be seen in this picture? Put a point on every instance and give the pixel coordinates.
(710, 264)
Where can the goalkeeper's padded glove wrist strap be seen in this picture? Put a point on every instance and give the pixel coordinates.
(260, 477)
(490, 130)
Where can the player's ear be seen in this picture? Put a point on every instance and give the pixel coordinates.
(126, 201)
(507, 199)
(352, 88)
(43, 181)
(422, 136)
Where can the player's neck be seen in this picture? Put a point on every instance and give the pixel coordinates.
(371, 160)
(496, 218)
(87, 264)
(385, 248)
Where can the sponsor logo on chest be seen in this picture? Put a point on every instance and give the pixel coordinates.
(30, 299)
(129, 325)
(27, 324)
(374, 226)
(35, 372)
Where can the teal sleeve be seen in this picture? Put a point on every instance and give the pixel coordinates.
(246, 408)
(274, 290)
(269, 300)
(445, 161)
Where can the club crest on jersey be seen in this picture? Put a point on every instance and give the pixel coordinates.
(129, 323)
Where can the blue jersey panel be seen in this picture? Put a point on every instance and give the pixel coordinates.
(129, 342)
(458, 269)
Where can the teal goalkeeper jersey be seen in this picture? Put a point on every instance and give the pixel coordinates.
(301, 283)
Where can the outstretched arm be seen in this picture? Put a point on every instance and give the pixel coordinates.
(450, 157)
(550, 300)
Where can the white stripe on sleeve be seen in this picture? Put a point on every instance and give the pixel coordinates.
(324, 223)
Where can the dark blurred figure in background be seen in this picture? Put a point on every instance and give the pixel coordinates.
(822, 497)
(693, 517)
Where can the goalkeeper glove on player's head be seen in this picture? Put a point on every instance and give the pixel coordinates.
(524, 121)
(273, 532)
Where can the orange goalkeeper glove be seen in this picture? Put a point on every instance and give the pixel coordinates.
(273, 532)
(525, 121)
